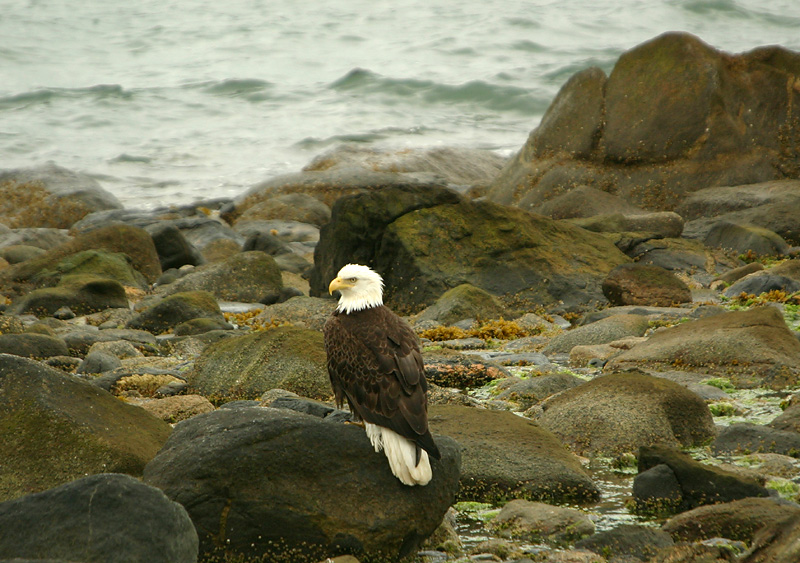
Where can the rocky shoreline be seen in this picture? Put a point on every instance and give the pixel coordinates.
(594, 311)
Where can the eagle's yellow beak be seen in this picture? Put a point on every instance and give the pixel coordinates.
(338, 283)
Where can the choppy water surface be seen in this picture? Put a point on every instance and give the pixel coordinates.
(172, 101)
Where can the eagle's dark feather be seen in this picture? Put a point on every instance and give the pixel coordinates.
(375, 364)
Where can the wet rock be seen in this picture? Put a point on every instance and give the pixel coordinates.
(463, 302)
(500, 249)
(98, 362)
(51, 196)
(301, 311)
(83, 294)
(777, 542)
(718, 552)
(788, 420)
(602, 331)
(746, 239)
(32, 345)
(176, 408)
(452, 165)
(702, 147)
(657, 490)
(289, 493)
(621, 411)
(299, 207)
(246, 276)
(747, 438)
(627, 540)
(645, 284)
(80, 338)
(684, 256)
(585, 201)
(172, 247)
(43, 238)
(200, 326)
(246, 366)
(107, 518)
(58, 428)
(664, 224)
(533, 390)
(753, 348)
(539, 522)
(762, 282)
(505, 455)
(174, 309)
(267, 242)
(771, 205)
(737, 520)
(738, 273)
(700, 484)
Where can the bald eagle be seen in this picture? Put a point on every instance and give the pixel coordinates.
(375, 364)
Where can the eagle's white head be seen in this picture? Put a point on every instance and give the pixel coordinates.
(360, 288)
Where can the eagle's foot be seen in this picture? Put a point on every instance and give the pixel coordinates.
(355, 423)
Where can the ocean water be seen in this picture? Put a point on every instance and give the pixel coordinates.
(175, 101)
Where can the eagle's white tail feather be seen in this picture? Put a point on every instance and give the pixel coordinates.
(401, 453)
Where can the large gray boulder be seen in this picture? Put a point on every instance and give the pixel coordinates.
(56, 428)
(620, 412)
(675, 115)
(293, 487)
(106, 518)
(516, 256)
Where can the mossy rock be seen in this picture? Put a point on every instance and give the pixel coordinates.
(244, 367)
(56, 428)
(176, 309)
(246, 276)
(84, 294)
(97, 263)
(134, 242)
(32, 345)
(464, 302)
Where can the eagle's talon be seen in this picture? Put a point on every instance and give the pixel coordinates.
(359, 423)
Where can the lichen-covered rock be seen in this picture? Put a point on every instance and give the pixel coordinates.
(276, 483)
(246, 276)
(627, 542)
(107, 518)
(620, 412)
(175, 309)
(675, 115)
(292, 207)
(97, 263)
(505, 456)
(244, 367)
(50, 196)
(56, 428)
(753, 348)
(645, 284)
(777, 542)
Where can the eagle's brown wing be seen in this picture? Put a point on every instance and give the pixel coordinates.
(374, 362)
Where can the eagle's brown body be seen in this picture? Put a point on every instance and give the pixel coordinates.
(375, 364)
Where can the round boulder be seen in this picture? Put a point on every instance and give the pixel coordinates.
(620, 412)
(292, 487)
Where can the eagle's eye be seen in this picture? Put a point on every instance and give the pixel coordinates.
(353, 280)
